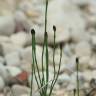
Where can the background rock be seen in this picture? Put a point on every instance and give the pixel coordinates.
(7, 28)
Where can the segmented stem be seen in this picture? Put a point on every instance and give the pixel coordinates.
(77, 69)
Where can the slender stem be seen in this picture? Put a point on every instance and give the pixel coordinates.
(54, 28)
(42, 87)
(46, 9)
(55, 79)
(74, 91)
(77, 67)
(43, 78)
(34, 60)
(33, 33)
(47, 63)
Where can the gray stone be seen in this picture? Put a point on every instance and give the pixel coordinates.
(12, 59)
(84, 62)
(13, 71)
(63, 80)
(19, 39)
(6, 48)
(89, 74)
(3, 72)
(7, 25)
(83, 49)
(22, 23)
(4, 39)
(92, 62)
(2, 60)
(2, 84)
(19, 90)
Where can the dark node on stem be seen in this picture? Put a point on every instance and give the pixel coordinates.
(61, 45)
(46, 35)
(77, 60)
(32, 31)
(54, 28)
(74, 90)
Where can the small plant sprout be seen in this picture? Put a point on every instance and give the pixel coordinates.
(77, 69)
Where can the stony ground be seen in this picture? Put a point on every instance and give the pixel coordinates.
(75, 21)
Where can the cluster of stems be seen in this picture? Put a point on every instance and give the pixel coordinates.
(43, 80)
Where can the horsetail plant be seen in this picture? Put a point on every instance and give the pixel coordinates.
(43, 81)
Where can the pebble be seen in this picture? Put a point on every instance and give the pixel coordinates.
(92, 62)
(2, 60)
(3, 72)
(19, 90)
(6, 48)
(19, 39)
(83, 49)
(7, 28)
(2, 84)
(63, 80)
(4, 39)
(13, 71)
(12, 59)
(22, 23)
(89, 74)
(84, 63)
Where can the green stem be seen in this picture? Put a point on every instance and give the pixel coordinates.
(43, 78)
(35, 61)
(47, 63)
(54, 28)
(77, 67)
(46, 9)
(55, 79)
(33, 33)
(74, 91)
